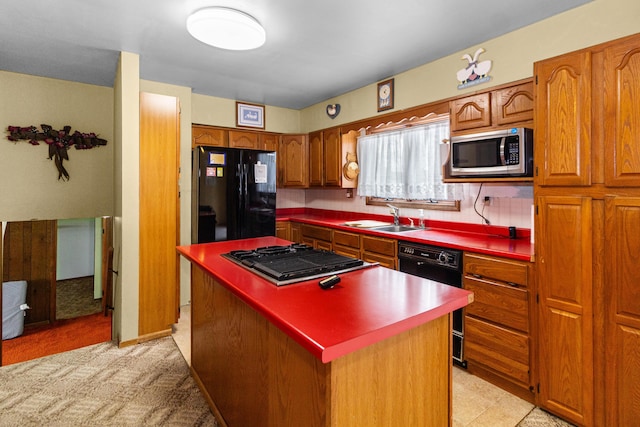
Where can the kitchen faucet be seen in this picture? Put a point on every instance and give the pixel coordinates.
(395, 211)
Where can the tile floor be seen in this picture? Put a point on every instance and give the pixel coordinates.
(476, 402)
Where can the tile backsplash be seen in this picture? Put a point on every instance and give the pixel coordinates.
(510, 204)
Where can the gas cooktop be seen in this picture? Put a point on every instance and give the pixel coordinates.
(283, 265)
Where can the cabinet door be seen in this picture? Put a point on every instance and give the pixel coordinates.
(563, 120)
(316, 159)
(283, 230)
(622, 302)
(268, 141)
(470, 112)
(159, 213)
(293, 158)
(513, 104)
(565, 313)
(206, 135)
(296, 234)
(331, 152)
(622, 114)
(239, 139)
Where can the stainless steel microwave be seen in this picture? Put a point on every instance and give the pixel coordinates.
(501, 153)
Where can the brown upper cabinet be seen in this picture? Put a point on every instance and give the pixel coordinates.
(293, 158)
(622, 112)
(268, 141)
(563, 120)
(207, 135)
(316, 159)
(504, 106)
(332, 153)
(570, 96)
(241, 139)
(325, 153)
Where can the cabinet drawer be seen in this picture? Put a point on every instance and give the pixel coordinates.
(380, 245)
(346, 239)
(318, 233)
(346, 251)
(498, 303)
(498, 348)
(385, 261)
(500, 269)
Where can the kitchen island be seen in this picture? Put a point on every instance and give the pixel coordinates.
(374, 350)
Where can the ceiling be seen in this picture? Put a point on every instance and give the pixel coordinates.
(315, 50)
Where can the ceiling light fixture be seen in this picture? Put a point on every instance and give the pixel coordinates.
(226, 28)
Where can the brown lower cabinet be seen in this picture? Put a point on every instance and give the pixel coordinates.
(283, 230)
(317, 237)
(497, 324)
(368, 248)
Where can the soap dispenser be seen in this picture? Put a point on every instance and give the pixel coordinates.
(421, 218)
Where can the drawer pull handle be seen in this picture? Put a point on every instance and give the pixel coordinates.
(515, 285)
(477, 276)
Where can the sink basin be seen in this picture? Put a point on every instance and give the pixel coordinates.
(395, 228)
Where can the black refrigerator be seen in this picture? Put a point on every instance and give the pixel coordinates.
(234, 194)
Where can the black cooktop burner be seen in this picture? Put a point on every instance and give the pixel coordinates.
(293, 263)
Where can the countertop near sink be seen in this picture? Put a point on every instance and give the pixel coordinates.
(490, 240)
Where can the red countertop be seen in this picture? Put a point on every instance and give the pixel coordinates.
(366, 307)
(489, 240)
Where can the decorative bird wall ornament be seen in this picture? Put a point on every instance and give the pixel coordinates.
(475, 72)
(333, 110)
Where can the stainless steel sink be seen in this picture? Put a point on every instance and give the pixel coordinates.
(395, 228)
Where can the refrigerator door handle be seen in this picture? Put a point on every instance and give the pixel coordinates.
(240, 176)
(246, 179)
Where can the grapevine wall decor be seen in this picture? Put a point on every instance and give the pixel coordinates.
(59, 142)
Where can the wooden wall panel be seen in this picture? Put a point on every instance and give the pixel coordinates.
(30, 254)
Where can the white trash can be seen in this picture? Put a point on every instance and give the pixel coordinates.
(14, 297)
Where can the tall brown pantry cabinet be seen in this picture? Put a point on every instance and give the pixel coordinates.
(159, 214)
(587, 193)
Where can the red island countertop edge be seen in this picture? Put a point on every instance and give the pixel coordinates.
(366, 307)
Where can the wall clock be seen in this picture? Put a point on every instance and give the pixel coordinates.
(385, 95)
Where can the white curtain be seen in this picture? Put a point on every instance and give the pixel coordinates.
(405, 164)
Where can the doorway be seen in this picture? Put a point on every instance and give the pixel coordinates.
(65, 264)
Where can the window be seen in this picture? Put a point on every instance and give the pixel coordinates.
(405, 163)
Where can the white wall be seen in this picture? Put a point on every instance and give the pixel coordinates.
(75, 248)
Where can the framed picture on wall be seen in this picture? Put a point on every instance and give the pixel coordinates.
(249, 115)
(385, 95)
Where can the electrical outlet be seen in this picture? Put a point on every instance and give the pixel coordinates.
(487, 200)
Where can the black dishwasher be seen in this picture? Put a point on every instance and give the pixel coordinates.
(442, 265)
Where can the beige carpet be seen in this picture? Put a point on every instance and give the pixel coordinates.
(143, 385)
(74, 298)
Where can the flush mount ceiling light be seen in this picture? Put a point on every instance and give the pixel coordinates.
(226, 28)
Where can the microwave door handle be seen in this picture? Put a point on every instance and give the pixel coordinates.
(503, 141)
